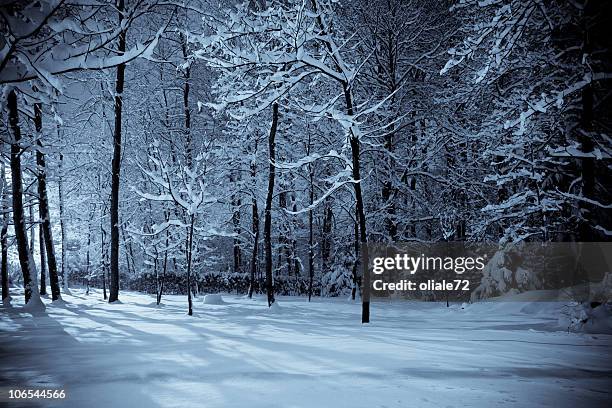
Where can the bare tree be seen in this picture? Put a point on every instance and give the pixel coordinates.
(43, 210)
(268, 209)
(28, 268)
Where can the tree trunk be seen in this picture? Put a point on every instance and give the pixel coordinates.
(388, 189)
(160, 283)
(283, 231)
(310, 224)
(160, 287)
(326, 236)
(365, 296)
(189, 156)
(189, 261)
(294, 255)
(104, 283)
(354, 273)
(25, 260)
(187, 111)
(116, 167)
(255, 223)
(89, 233)
(360, 215)
(268, 211)
(129, 253)
(32, 229)
(43, 210)
(88, 256)
(255, 247)
(43, 259)
(3, 237)
(237, 252)
(236, 203)
(103, 256)
(62, 216)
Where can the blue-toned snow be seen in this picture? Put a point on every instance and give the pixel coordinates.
(241, 354)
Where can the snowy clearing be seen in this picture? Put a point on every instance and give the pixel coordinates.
(240, 354)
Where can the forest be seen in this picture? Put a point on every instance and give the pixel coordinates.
(191, 192)
(186, 148)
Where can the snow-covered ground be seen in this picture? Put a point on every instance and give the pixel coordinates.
(242, 354)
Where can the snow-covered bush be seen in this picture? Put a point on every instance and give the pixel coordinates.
(214, 299)
(221, 282)
(337, 282)
(588, 317)
(603, 290)
(500, 277)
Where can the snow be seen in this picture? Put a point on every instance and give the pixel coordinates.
(35, 305)
(581, 317)
(213, 299)
(275, 308)
(238, 354)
